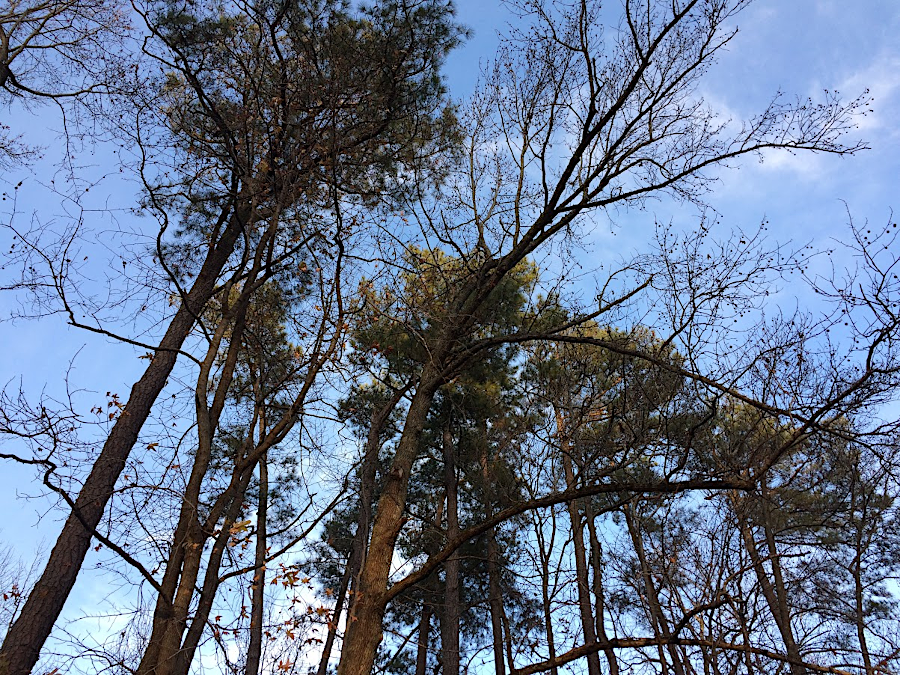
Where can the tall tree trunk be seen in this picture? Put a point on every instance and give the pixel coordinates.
(257, 588)
(25, 638)
(361, 538)
(424, 638)
(186, 552)
(596, 560)
(495, 598)
(544, 551)
(581, 570)
(657, 616)
(772, 584)
(859, 587)
(181, 660)
(431, 591)
(336, 618)
(450, 617)
(364, 630)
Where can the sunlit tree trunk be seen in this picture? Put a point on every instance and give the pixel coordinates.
(257, 588)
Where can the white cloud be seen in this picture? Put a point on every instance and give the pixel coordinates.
(882, 78)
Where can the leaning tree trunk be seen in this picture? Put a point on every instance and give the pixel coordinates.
(364, 629)
(361, 538)
(596, 560)
(178, 585)
(25, 638)
(657, 616)
(772, 584)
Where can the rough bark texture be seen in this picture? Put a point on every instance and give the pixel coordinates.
(364, 631)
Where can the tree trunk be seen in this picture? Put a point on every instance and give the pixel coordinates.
(361, 538)
(364, 630)
(859, 593)
(495, 598)
(657, 617)
(336, 618)
(450, 617)
(773, 593)
(257, 588)
(544, 551)
(596, 561)
(22, 645)
(424, 637)
(430, 591)
(581, 570)
(186, 552)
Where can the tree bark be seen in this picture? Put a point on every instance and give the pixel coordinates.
(186, 552)
(657, 617)
(450, 617)
(773, 593)
(257, 588)
(364, 630)
(336, 618)
(581, 571)
(361, 538)
(495, 598)
(596, 561)
(544, 552)
(424, 637)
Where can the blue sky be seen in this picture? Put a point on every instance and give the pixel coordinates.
(797, 46)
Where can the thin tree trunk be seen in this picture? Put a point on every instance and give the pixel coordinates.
(22, 645)
(495, 601)
(581, 571)
(430, 591)
(596, 560)
(544, 552)
(182, 659)
(336, 618)
(658, 618)
(773, 593)
(257, 588)
(361, 538)
(450, 617)
(495, 598)
(424, 637)
(186, 552)
(858, 596)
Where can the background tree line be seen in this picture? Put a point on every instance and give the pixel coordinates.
(381, 426)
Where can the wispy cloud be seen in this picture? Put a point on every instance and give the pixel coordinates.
(882, 79)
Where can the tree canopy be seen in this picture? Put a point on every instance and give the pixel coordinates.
(391, 415)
